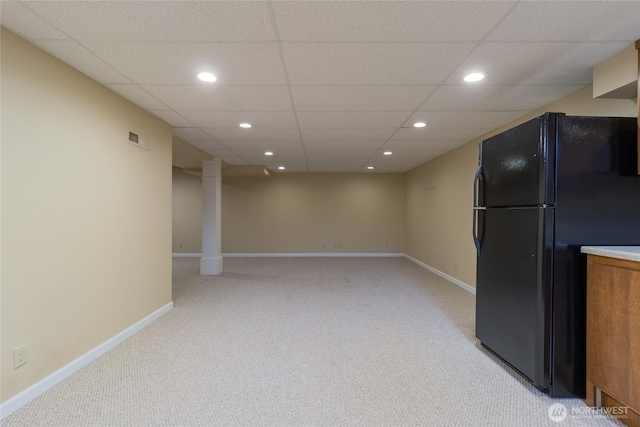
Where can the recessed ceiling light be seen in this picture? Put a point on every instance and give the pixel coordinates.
(268, 153)
(245, 125)
(207, 77)
(474, 77)
(419, 124)
(388, 153)
(370, 167)
(281, 168)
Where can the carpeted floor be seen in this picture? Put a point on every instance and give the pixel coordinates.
(299, 342)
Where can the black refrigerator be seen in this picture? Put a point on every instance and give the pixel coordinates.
(542, 190)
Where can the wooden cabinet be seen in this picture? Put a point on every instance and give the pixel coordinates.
(613, 336)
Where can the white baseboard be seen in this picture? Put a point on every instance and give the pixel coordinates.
(186, 255)
(27, 395)
(452, 279)
(314, 254)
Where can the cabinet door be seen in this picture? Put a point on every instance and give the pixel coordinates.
(613, 328)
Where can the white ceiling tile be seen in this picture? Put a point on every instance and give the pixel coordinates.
(372, 63)
(391, 21)
(347, 134)
(406, 155)
(359, 98)
(262, 145)
(335, 168)
(502, 98)
(271, 160)
(343, 152)
(290, 169)
(138, 96)
(359, 144)
(570, 21)
(337, 160)
(179, 63)
(191, 134)
(79, 57)
(437, 134)
(223, 98)
(23, 21)
(417, 144)
(536, 63)
(347, 119)
(226, 119)
(240, 134)
(173, 118)
(158, 20)
(394, 168)
(291, 153)
(464, 119)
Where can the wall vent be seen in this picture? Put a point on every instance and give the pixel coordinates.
(137, 139)
(133, 137)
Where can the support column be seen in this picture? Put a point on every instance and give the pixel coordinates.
(211, 261)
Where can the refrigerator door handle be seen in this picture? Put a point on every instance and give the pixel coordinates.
(477, 241)
(479, 177)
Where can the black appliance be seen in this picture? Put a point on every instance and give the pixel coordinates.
(542, 190)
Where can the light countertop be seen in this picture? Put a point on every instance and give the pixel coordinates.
(631, 253)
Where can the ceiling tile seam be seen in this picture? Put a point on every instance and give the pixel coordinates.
(92, 53)
(385, 42)
(121, 73)
(29, 10)
(473, 49)
(133, 82)
(276, 33)
(554, 42)
(368, 162)
(223, 145)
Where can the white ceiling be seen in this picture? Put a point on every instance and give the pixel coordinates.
(329, 86)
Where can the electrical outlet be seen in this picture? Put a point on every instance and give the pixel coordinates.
(19, 356)
(180, 245)
(337, 245)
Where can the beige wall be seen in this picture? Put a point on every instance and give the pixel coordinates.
(440, 193)
(86, 216)
(300, 212)
(438, 215)
(187, 212)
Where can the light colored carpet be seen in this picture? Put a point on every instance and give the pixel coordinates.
(303, 341)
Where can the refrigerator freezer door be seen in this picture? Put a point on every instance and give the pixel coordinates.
(514, 289)
(518, 165)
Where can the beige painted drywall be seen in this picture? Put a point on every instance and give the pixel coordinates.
(299, 213)
(187, 212)
(86, 216)
(440, 193)
(617, 77)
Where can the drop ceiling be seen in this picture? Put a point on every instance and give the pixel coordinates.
(329, 86)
